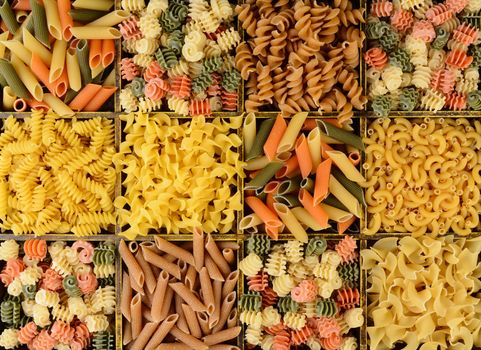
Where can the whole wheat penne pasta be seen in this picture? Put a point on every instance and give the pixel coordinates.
(198, 249)
(150, 280)
(95, 53)
(173, 346)
(216, 255)
(303, 156)
(290, 135)
(108, 53)
(172, 249)
(227, 305)
(84, 96)
(232, 319)
(147, 314)
(36, 47)
(57, 105)
(135, 271)
(213, 269)
(66, 20)
(181, 322)
(144, 336)
(126, 333)
(53, 19)
(133, 247)
(111, 19)
(73, 70)
(289, 219)
(214, 318)
(184, 267)
(159, 261)
(161, 332)
(249, 221)
(135, 286)
(136, 314)
(345, 165)
(226, 244)
(95, 32)
(223, 347)
(19, 105)
(9, 98)
(228, 255)
(27, 77)
(151, 246)
(187, 339)
(203, 319)
(222, 336)
(207, 291)
(99, 5)
(249, 132)
(18, 49)
(230, 283)
(159, 294)
(126, 296)
(192, 322)
(166, 303)
(58, 59)
(190, 277)
(188, 297)
(275, 136)
(168, 257)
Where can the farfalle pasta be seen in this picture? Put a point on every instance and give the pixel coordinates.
(280, 309)
(297, 56)
(44, 314)
(194, 185)
(432, 296)
(428, 41)
(189, 41)
(422, 176)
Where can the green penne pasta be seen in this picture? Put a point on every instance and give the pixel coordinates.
(40, 22)
(288, 199)
(29, 25)
(349, 185)
(263, 177)
(334, 202)
(86, 16)
(307, 184)
(69, 96)
(340, 134)
(3, 82)
(260, 140)
(12, 79)
(8, 16)
(289, 186)
(261, 194)
(83, 60)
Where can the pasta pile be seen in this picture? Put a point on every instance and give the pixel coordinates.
(49, 51)
(423, 176)
(185, 294)
(178, 176)
(423, 56)
(60, 295)
(423, 293)
(300, 56)
(56, 176)
(303, 173)
(301, 294)
(181, 57)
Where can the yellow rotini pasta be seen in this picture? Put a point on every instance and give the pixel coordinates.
(181, 177)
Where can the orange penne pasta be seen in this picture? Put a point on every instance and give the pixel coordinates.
(309, 124)
(271, 187)
(315, 210)
(3, 27)
(19, 5)
(324, 148)
(42, 72)
(321, 186)
(95, 53)
(61, 84)
(334, 122)
(270, 202)
(38, 105)
(20, 105)
(354, 157)
(303, 156)
(275, 136)
(268, 216)
(108, 52)
(343, 226)
(272, 232)
(84, 97)
(290, 167)
(102, 95)
(65, 19)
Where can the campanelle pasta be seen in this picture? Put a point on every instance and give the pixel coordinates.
(423, 176)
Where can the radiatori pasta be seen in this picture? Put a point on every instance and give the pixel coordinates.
(44, 313)
(184, 177)
(423, 292)
(285, 309)
(422, 176)
(56, 176)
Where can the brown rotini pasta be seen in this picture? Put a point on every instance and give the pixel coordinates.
(301, 56)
